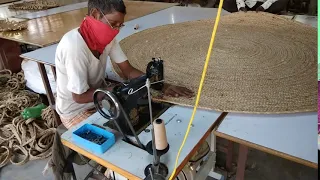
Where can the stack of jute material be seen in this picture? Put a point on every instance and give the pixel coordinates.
(34, 5)
(261, 63)
(12, 25)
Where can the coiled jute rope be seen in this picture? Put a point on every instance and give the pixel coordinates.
(22, 140)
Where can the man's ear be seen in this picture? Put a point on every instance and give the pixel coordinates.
(95, 13)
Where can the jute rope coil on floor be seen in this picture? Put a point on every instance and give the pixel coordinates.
(22, 140)
(261, 63)
(34, 5)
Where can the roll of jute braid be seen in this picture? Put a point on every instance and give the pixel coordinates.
(22, 140)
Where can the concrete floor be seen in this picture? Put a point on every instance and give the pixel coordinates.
(33, 171)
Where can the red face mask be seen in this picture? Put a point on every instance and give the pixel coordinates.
(97, 34)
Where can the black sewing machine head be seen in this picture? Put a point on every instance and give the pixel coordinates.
(154, 72)
(133, 96)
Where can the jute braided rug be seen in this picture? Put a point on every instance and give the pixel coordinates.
(261, 63)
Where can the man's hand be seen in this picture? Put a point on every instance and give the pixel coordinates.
(87, 97)
(177, 91)
(169, 90)
(243, 9)
(260, 9)
(129, 71)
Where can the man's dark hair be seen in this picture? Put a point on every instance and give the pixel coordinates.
(107, 6)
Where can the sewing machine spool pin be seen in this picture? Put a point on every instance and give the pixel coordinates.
(154, 176)
(158, 167)
(160, 170)
(151, 121)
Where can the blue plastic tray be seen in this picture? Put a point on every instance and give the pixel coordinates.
(93, 147)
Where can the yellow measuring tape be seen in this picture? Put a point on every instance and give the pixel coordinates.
(200, 86)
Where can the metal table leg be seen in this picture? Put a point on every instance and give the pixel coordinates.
(243, 152)
(50, 95)
(229, 156)
(54, 72)
(213, 141)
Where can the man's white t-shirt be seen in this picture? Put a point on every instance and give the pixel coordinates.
(78, 70)
(250, 3)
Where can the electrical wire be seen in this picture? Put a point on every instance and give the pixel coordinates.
(200, 86)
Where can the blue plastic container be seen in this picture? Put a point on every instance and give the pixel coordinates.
(93, 147)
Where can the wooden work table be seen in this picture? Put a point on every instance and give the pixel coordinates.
(5, 12)
(49, 30)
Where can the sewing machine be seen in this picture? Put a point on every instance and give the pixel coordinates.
(133, 97)
(127, 109)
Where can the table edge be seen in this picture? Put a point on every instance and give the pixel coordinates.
(31, 59)
(197, 146)
(133, 177)
(21, 41)
(99, 160)
(267, 150)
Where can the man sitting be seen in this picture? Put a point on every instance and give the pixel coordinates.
(271, 6)
(81, 59)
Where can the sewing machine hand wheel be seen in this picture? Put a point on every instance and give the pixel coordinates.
(109, 103)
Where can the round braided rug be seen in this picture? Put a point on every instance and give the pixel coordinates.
(261, 63)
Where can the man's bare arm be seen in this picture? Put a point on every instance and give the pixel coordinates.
(129, 71)
(87, 97)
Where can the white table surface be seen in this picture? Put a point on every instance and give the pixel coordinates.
(292, 134)
(134, 160)
(171, 15)
(309, 20)
(288, 16)
(61, 9)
